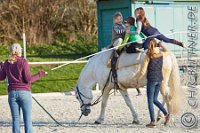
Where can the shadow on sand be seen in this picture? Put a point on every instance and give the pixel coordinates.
(73, 124)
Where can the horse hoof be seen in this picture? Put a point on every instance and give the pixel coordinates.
(136, 122)
(97, 122)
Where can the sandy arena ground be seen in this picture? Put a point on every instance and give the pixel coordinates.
(65, 108)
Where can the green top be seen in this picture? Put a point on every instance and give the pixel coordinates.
(131, 37)
(135, 38)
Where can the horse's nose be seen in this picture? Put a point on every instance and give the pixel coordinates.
(86, 112)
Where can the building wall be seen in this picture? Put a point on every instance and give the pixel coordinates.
(169, 18)
(167, 15)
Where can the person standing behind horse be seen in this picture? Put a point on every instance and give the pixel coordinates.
(17, 71)
(153, 64)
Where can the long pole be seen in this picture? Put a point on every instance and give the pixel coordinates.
(82, 58)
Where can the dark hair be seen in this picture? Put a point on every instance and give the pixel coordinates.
(130, 20)
(117, 14)
(142, 16)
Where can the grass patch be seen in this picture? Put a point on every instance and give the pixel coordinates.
(60, 80)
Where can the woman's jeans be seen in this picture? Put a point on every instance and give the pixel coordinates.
(21, 100)
(153, 89)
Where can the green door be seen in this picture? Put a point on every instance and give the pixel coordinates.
(105, 11)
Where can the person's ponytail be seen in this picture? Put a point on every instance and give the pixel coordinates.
(145, 22)
(152, 44)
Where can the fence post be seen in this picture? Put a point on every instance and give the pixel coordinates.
(24, 39)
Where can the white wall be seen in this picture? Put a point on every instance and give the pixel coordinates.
(168, 18)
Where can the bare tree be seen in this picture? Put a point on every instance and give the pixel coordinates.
(43, 19)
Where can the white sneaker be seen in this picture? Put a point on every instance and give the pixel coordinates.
(184, 45)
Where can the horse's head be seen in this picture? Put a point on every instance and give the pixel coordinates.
(84, 96)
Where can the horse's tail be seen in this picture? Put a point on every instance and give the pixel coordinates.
(174, 98)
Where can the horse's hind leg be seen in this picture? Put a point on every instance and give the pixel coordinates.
(126, 97)
(103, 106)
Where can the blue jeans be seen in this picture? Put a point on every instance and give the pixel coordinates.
(153, 89)
(21, 100)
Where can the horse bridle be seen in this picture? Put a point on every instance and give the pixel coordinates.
(98, 99)
(81, 94)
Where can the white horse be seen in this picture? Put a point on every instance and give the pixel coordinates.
(96, 71)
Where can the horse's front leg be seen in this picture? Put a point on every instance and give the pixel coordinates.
(103, 106)
(126, 97)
